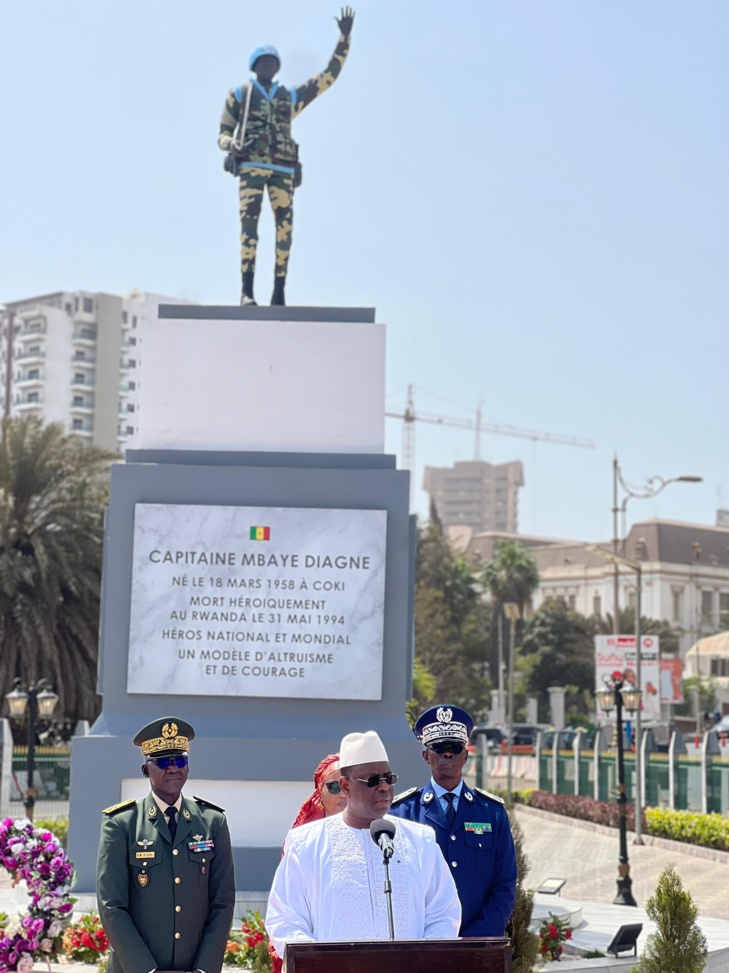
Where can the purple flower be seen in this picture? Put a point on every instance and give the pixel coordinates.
(10, 863)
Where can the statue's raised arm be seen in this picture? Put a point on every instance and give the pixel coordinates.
(305, 93)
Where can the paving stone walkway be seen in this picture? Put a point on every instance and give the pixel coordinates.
(587, 856)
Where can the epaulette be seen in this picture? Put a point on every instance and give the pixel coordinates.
(118, 807)
(493, 797)
(202, 800)
(401, 797)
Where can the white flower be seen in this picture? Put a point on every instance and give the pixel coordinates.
(25, 963)
(55, 928)
(46, 945)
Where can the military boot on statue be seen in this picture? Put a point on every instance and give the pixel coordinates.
(278, 296)
(247, 294)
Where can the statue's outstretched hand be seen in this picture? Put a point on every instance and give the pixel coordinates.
(345, 20)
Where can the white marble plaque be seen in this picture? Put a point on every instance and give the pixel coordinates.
(257, 601)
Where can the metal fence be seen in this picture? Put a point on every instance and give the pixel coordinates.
(687, 776)
(51, 780)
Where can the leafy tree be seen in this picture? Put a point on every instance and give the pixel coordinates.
(512, 575)
(678, 945)
(524, 943)
(451, 623)
(52, 494)
(424, 690)
(558, 650)
(706, 688)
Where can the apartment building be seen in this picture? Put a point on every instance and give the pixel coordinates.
(475, 494)
(72, 357)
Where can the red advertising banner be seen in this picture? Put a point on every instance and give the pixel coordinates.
(671, 680)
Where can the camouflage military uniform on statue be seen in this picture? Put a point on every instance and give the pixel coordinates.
(256, 127)
(165, 881)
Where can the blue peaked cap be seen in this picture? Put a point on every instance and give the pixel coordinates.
(260, 51)
(444, 722)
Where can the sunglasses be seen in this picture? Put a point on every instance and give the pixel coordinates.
(441, 748)
(334, 787)
(375, 779)
(164, 762)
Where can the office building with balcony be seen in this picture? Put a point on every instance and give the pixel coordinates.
(475, 494)
(684, 570)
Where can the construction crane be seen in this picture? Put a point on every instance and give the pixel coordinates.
(410, 417)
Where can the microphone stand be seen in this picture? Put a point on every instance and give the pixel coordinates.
(386, 856)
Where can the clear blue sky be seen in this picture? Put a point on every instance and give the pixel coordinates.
(532, 193)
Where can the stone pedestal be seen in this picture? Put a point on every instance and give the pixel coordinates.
(258, 571)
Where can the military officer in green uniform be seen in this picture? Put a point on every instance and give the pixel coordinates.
(164, 880)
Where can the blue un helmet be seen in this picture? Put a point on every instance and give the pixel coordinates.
(260, 51)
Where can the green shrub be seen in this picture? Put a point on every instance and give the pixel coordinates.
(524, 943)
(678, 944)
(59, 827)
(707, 830)
(520, 796)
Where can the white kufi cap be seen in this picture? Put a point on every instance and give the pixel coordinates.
(362, 748)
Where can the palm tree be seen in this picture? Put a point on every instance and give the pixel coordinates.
(512, 575)
(52, 497)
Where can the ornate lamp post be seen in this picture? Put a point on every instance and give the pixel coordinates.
(651, 488)
(37, 701)
(513, 614)
(619, 562)
(618, 694)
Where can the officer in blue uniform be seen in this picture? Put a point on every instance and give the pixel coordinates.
(471, 825)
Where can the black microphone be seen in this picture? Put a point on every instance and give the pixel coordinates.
(383, 835)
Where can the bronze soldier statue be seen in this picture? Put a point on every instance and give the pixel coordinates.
(255, 131)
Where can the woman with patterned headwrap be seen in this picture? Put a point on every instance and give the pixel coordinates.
(326, 799)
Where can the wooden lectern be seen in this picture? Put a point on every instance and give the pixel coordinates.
(402, 956)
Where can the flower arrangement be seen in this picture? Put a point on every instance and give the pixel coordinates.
(552, 933)
(85, 940)
(34, 855)
(243, 946)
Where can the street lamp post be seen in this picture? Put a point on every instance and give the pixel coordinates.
(651, 488)
(619, 694)
(37, 701)
(619, 562)
(513, 614)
